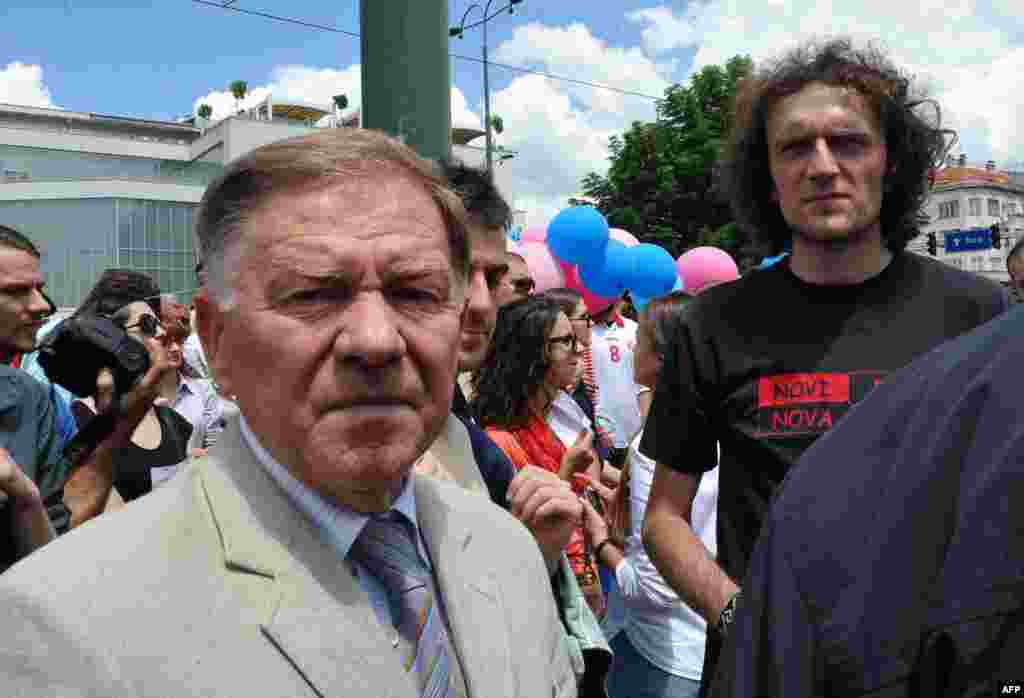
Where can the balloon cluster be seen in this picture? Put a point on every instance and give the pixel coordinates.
(579, 250)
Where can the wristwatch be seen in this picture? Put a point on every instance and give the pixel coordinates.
(728, 615)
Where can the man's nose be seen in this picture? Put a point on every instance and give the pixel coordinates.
(823, 162)
(479, 299)
(369, 332)
(38, 304)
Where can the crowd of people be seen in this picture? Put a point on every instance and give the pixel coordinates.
(374, 459)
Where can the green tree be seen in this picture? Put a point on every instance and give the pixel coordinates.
(205, 111)
(661, 180)
(239, 88)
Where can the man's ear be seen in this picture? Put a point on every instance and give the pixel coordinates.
(210, 319)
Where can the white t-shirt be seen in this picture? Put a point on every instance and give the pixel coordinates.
(617, 410)
(666, 631)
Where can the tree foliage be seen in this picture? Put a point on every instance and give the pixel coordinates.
(661, 179)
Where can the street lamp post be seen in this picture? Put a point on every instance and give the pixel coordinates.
(459, 31)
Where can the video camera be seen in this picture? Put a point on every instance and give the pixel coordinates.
(73, 354)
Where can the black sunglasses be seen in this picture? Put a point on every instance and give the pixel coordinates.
(148, 325)
(568, 341)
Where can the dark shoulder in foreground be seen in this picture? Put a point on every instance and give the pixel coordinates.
(958, 282)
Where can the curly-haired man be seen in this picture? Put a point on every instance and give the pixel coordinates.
(830, 153)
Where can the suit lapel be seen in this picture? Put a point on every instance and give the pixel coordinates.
(317, 615)
(470, 594)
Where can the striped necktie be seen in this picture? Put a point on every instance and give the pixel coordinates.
(386, 547)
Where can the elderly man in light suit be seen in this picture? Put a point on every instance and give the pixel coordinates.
(337, 263)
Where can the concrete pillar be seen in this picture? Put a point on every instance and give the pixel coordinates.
(406, 77)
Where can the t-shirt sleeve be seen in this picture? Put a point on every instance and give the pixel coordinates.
(52, 468)
(772, 647)
(678, 432)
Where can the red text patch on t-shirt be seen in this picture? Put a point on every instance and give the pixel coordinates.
(803, 389)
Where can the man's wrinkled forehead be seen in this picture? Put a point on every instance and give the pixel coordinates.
(842, 107)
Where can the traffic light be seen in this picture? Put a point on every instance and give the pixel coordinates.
(997, 238)
(933, 246)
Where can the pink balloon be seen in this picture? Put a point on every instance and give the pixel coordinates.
(534, 234)
(623, 236)
(704, 267)
(544, 268)
(595, 304)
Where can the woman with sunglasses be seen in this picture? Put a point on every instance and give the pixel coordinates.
(533, 356)
(160, 443)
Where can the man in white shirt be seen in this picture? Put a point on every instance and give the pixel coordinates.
(613, 339)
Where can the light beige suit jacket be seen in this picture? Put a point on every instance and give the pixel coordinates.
(216, 586)
(451, 458)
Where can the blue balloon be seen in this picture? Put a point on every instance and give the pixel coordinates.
(640, 302)
(654, 272)
(680, 285)
(608, 279)
(579, 235)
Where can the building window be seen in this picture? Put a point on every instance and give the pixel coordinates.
(949, 209)
(974, 207)
(993, 208)
(1010, 209)
(155, 237)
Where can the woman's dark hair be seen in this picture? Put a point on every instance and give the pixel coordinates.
(914, 145)
(662, 317)
(566, 298)
(516, 362)
(116, 289)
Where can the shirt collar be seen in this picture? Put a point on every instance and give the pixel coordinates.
(339, 524)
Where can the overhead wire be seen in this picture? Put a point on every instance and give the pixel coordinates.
(324, 27)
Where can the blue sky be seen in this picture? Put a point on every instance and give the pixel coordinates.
(151, 60)
(161, 59)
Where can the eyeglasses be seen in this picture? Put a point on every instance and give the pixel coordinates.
(583, 318)
(148, 325)
(568, 341)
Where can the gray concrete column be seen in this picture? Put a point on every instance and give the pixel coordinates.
(406, 76)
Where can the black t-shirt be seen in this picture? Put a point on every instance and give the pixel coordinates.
(895, 544)
(768, 363)
(134, 463)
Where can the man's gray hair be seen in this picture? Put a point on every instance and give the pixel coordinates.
(326, 156)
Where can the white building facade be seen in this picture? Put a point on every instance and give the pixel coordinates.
(96, 191)
(966, 200)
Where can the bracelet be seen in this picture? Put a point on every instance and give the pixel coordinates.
(600, 546)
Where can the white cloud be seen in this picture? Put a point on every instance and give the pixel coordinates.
(560, 130)
(462, 115)
(573, 51)
(23, 84)
(556, 145)
(968, 52)
(663, 31)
